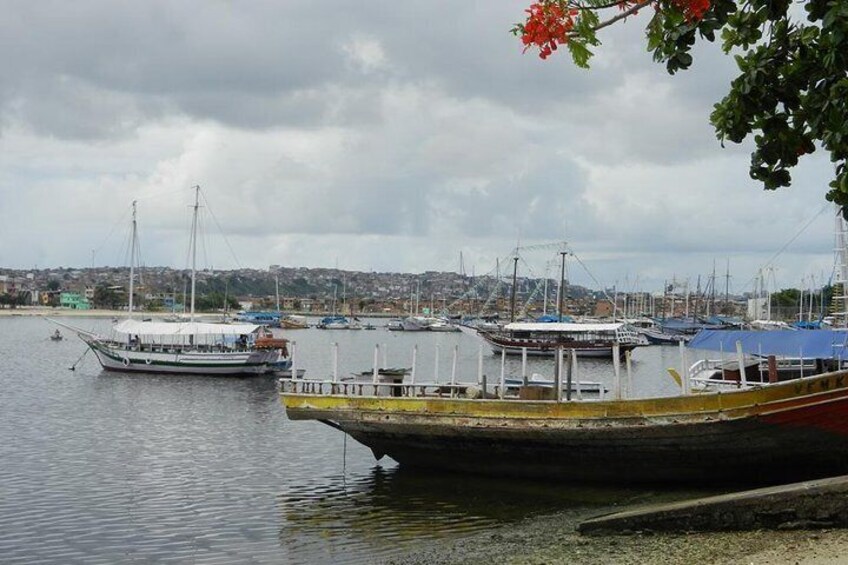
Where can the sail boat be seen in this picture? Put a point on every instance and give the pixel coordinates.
(190, 347)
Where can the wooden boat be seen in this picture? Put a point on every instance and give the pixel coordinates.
(186, 347)
(788, 431)
(586, 339)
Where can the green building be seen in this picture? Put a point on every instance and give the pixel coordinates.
(74, 301)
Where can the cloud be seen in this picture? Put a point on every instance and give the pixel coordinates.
(386, 136)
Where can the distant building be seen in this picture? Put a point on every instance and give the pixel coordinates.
(74, 301)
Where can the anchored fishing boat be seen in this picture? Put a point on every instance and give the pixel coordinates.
(588, 340)
(789, 431)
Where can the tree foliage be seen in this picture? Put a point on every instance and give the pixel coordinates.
(791, 93)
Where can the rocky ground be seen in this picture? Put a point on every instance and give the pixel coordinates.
(553, 539)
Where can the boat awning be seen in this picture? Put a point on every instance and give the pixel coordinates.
(137, 327)
(810, 344)
(560, 327)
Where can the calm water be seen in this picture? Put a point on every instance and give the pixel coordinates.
(100, 467)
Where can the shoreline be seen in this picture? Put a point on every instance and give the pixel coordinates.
(48, 312)
(553, 538)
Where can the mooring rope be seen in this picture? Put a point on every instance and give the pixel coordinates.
(84, 353)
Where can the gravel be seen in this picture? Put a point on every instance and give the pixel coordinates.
(553, 539)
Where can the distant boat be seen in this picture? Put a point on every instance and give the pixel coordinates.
(56, 336)
(588, 340)
(338, 323)
(270, 319)
(294, 322)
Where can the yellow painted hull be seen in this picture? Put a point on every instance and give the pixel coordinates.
(794, 430)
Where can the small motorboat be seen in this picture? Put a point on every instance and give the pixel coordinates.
(57, 336)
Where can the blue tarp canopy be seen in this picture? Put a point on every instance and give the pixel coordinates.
(810, 344)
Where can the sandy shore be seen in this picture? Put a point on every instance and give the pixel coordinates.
(65, 312)
(553, 539)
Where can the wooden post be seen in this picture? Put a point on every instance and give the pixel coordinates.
(453, 369)
(335, 362)
(772, 369)
(801, 360)
(573, 355)
(294, 359)
(628, 385)
(616, 372)
(483, 384)
(740, 358)
(480, 364)
(375, 370)
(502, 392)
(524, 364)
(569, 376)
(412, 375)
(557, 372)
(436, 366)
(685, 384)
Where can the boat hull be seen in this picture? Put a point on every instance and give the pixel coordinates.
(184, 363)
(791, 431)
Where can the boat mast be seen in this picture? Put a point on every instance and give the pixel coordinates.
(277, 288)
(514, 283)
(133, 243)
(561, 287)
(194, 248)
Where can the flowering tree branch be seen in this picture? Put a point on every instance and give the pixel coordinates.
(791, 94)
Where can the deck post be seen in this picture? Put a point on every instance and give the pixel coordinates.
(524, 365)
(502, 392)
(685, 385)
(628, 385)
(294, 359)
(412, 375)
(801, 360)
(335, 362)
(740, 358)
(557, 372)
(569, 377)
(436, 366)
(453, 369)
(480, 364)
(616, 371)
(772, 369)
(374, 369)
(573, 359)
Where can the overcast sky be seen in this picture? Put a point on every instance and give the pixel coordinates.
(387, 136)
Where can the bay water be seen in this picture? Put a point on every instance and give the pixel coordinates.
(110, 467)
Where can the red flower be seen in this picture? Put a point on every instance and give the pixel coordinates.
(547, 25)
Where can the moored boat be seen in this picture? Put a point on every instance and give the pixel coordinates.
(794, 430)
(186, 348)
(294, 322)
(587, 340)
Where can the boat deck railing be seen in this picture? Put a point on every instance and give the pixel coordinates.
(396, 388)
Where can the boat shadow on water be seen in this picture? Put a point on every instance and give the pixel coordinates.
(389, 511)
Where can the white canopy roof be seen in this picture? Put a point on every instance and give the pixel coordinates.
(137, 327)
(561, 327)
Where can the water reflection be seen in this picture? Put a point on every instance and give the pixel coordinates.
(388, 512)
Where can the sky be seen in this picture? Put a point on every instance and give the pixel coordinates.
(380, 136)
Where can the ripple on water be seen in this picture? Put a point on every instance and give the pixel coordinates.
(102, 467)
